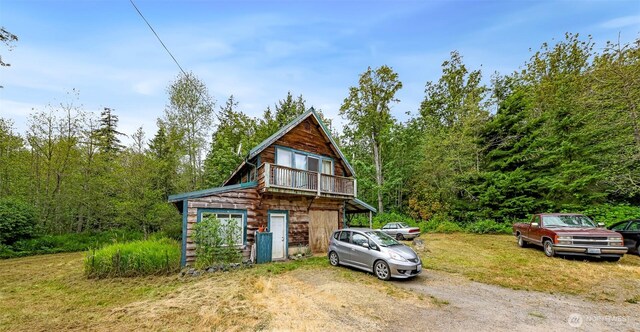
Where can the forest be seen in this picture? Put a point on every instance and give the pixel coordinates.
(560, 134)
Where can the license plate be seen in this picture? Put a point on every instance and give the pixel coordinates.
(593, 251)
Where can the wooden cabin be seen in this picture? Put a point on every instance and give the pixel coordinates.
(297, 183)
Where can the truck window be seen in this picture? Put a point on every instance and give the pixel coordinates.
(536, 219)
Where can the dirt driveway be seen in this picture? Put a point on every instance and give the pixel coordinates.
(341, 299)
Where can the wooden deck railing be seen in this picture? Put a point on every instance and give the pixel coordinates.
(277, 176)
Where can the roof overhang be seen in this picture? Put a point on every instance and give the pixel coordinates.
(357, 206)
(211, 191)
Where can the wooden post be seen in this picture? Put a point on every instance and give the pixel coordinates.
(370, 219)
(267, 174)
(319, 176)
(355, 187)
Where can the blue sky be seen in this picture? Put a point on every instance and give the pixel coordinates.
(258, 51)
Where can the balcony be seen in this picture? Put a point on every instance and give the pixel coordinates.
(287, 180)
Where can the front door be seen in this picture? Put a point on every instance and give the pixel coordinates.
(278, 226)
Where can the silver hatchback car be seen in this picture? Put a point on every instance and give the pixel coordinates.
(373, 251)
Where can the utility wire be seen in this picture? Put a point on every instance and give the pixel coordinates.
(172, 57)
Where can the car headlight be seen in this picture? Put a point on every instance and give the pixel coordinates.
(397, 257)
(615, 241)
(563, 239)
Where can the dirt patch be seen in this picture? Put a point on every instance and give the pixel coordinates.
(327, 300)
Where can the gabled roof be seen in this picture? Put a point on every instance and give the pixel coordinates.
(284, 130)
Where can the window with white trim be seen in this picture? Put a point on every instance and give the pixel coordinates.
(233, 222)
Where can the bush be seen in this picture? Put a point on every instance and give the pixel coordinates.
(51, 244)
(488, 227)
(610, 214)
(215, 243)
(132, 259)
(17, 220)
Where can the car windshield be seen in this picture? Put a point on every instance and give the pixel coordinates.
(381, 238)
(567, 221)
(402, 225)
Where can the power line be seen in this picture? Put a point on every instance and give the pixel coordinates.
(172, 57)
(160, 40)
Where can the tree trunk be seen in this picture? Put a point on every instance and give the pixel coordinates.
(378, 162)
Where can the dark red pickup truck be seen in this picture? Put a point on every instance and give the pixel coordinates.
(570, 234)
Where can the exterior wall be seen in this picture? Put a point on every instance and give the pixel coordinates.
(305, 137)
(257, 207)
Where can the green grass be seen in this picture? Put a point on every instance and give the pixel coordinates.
(131, 259)
(496, 259)
(51, 244)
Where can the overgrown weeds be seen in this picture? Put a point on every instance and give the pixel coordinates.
(137, 258)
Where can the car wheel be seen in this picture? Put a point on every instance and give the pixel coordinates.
(548, 248)
(334, 260)
(381, 269)
(399, 237)
(521, 242)
(638, 249)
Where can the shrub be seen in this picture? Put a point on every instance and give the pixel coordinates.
(447, 227)
(488, 227)
(137, 258)
(17, 220)
(215, 243)
(610, 214)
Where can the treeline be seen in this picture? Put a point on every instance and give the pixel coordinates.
(75, 175)
(562, 133)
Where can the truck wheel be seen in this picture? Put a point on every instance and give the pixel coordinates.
(521, 242)
(548, 248)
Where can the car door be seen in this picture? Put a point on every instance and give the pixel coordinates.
(343, 247)
(631, 234)
(362, 256)
(535, 232)
(392, 229)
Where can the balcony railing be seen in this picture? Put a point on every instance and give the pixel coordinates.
(277, 176)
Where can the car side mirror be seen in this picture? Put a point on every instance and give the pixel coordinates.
(535, 224)
(373, 247)
(365, 244)
(600, 224)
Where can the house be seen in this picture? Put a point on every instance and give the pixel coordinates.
(297, 183)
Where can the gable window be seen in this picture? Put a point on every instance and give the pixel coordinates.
(229, 222)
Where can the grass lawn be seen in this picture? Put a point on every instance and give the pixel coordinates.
(497, 259)
(51, 293)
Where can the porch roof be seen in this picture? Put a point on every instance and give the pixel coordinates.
(357, 206)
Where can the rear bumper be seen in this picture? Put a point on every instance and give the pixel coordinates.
(405, 270)
(599, 251)
(410, 236)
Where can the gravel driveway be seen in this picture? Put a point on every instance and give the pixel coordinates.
(474, 306)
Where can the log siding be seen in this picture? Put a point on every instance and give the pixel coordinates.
(257, 208)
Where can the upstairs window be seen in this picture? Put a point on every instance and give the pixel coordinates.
(302, 160)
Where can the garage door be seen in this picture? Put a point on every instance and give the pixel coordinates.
(321, 225)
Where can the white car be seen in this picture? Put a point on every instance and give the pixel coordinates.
(401, 231)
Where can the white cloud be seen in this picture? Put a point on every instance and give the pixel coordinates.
(621, 22)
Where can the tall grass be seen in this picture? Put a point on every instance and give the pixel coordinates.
(52, 244)
(137, 258)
